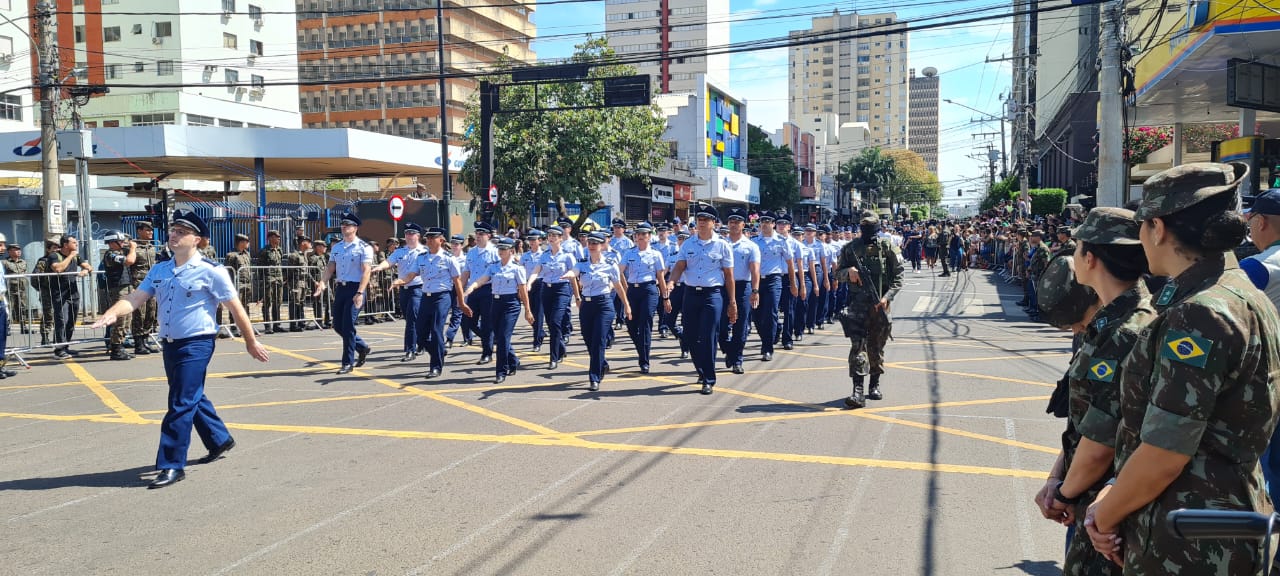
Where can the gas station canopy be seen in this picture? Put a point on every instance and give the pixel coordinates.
(229, 154)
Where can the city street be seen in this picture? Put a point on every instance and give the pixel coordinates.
(383, 472)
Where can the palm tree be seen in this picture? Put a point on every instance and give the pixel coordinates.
(869, 170)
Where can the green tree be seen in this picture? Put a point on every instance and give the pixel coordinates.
(564, 156)
(912, 183)
(869, 171)
(775, 167)
(1003, 190)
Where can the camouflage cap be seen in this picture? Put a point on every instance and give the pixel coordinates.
(1107, 225)
(1063, 301)
(1181, 187)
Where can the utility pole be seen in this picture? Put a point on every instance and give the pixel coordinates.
(47, 81)
(446, 192)
(1112, 189)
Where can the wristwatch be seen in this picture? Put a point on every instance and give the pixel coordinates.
(755, 291)
(1057, 495)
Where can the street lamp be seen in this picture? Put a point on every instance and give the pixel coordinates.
(1004, 158)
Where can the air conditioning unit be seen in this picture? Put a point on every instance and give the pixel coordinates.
(226, 13)
(257, 21)
(6, 58)
(157, 40)
(252, 58)
(257, 92)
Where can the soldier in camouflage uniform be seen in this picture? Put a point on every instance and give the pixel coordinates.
(44, 287)
(239, 266)
(944, 248)
(206, 250)
(270, 277)
(1117, 306)
(118, 281)
(1037, 261)
(144, 317)
(1066, 243)
(1198, 393)
(15, 270)
(1020, 249)
(300, 282)
(321, 307)
(377, 288)
(874, 275)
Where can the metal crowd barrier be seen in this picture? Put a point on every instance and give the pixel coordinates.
(282, 297)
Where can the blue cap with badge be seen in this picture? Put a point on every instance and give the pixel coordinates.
(555, 231)
(348, 219)
(483, 228)
(433, 231)
(1266, 203)
(534, 233)
(707, 211)
(783, 219)
(644, 227)
(458, 239)
(619, 223)
(412, 228)
(736, 213)
(596, 238)
(505, 243)
(189, 219)
(768, 216)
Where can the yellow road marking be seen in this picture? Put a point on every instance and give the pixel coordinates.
(704, 423)
(957, 403)
(110, 399)
(818, 356)
(983, 359)
(971, 375)
(72, 418)
(296, 402)
(280, 372)
(28, 386)
(957, 432)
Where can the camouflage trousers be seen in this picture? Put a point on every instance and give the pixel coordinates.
(46, 318)
(272, 294)
(122, 325)
(144, 321)
(874, 341)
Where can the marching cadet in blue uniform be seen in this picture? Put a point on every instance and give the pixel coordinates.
(403, 258)
(507, 279)
(822, 279)
(793, 293)
(746, 283)
(705, 263)
(665, 245)
(645, 270)
(807, 284)
(676, 292)
(619, 245)
(439, 276)
(530, 260)
(479, 259)
(594, 278)
(351, 263)
(456, 242)
(189, 290)
(777, 276)
(554, 264)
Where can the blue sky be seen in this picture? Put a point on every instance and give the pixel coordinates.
(760, 77)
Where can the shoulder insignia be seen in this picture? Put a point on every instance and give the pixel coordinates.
(1100, 324)
(1186, 348)
(1102, 370)
(1166, 294)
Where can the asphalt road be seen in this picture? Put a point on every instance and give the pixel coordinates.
(382, 472)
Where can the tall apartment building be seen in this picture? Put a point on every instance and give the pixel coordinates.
(923, 118)
(859, 73)
(210, 64)
(18, 109)
(382, 54)
(675, 33)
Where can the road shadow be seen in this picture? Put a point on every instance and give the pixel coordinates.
(128, 478)
(787, 408)
(1035, 568)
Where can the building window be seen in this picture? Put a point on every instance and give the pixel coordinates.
(230, 41)
(10, 107)
(111, 34)
(228, 5)
(79, 32)
(110, 123)
(232, 76)
(257, 81)
(152, 119)
(137, 29)
(255, 47)
(255, 12)
(164, 29)
(139, 66)
(113, 71)
(223, 122)
(164, 68)
(198, 120)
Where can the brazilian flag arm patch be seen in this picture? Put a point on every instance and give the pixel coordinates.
(1186, 348)
(1102, 370)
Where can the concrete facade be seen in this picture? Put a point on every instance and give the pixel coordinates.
(923, 119)
(676, 33)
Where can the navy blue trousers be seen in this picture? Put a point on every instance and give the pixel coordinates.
(433, 311)
(455, 321)
(643, 299)
(766, 315)
(344, 320)
(556, 299)
(677, 308)
(479, 323)
(701, 310)
(535, 305)
(788, 310)
(800, 308)
(596, 318)
(186, 362)
(504, 311)
(817, 305)
(733, 337)
(409, 299)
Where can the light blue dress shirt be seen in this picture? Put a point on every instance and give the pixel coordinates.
(643, 266)
(597, 279)
(775, 251)
(705, 261)
(554, 266)
(744, 253)
(621, 244)
(405, 260)
(478, 261)
(349, 258)
(506, 279)
(187, 296)
(530, 261)
(436, 271)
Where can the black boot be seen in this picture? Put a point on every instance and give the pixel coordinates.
(873, 391)
(855, 401)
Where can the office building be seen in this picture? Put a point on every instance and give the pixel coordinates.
(676, 33)
(923, 118)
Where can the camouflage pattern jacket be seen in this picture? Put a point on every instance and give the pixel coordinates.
(879, 268)
(1201, 382)
(1037, 260)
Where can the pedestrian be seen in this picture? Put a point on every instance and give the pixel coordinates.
(645, 271)
(530, 260)
(65, 287)
(509, 294)
(349, 266)
(15, 268)
(191, 289)
(746, 284)
(321, 307)
(1198, 392)
(438, 275)
(118, 279)
(145, 316)
(405, 260)
(299, 280)
(479, 259)
(705, 264)
(778, 275)
(554, 265)
(874, 273)
(270, 277)
(239, 265)
(456, 243)
(594, 279)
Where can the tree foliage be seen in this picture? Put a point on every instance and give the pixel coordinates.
(775, 167)
(564, 156)
(912, 183)
(1003, 190)
(871, 170)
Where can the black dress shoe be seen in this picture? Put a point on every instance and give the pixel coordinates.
(644, 369)
(448, 345)
(485, 359)
(167, 477)
(554, 364)
(594, 386)
(1022, 303)
(500, 379)
(537, 347)
(607, 369)
(511, 370)
(737, 369)
(407, 357)
(433, 373)
(361, 354)
(218, 452)
(345, 369)
(766, 357)
(706, 388)
(788, 346)
(684, 354)
(7, 373)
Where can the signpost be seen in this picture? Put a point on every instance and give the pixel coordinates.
(396, 207)
(493, 194)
